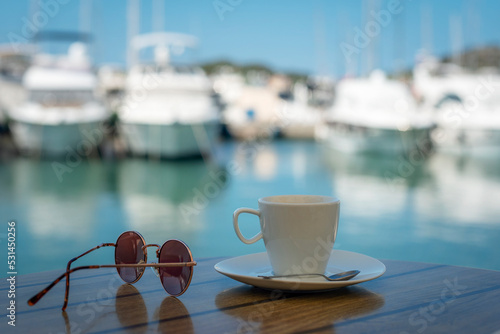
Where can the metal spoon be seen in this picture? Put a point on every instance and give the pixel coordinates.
(343, 276)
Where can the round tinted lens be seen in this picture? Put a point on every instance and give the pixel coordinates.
(128, 250)
(175, 280)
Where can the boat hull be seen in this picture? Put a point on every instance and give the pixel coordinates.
(481, 142)
(298, 131)
(357, 139)
(57, 140)
(174, 140)
(252, 130)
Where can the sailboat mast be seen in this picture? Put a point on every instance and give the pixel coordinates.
(133, 20)
(426, 28)
(158, 15)
(85, 19)
(320, 41)
(456, 38)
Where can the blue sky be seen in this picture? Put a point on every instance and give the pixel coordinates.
(301, 36)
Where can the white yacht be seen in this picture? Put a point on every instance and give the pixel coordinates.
(13, 65)
(466, 107)
(61, 114)
(375, 114)
(299, 118)
(168, 111)
(111, 85)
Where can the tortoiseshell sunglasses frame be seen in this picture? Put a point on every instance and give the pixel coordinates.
(191, 263)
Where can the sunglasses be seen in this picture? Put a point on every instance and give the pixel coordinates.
(174, 267)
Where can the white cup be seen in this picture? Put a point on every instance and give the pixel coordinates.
(298, 231)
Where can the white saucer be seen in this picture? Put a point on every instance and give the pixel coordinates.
(247, 268)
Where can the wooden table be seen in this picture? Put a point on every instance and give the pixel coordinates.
(409, 298)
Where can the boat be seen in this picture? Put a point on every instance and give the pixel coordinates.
(111, 85)
(254, 111)
(168, 110)
(61, 114)
(298, 120)
(302, 111)
(465, 106)
(13, 64)
(375, 114)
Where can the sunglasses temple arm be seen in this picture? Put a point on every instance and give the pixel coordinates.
(145, 265)
(42, 293)
(68, 267)
(90, 250)
(33, 300)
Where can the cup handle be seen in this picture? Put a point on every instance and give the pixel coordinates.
(236, 213)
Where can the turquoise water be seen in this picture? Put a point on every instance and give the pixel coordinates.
(444, 209)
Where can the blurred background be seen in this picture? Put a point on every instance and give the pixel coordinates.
(164, 116)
